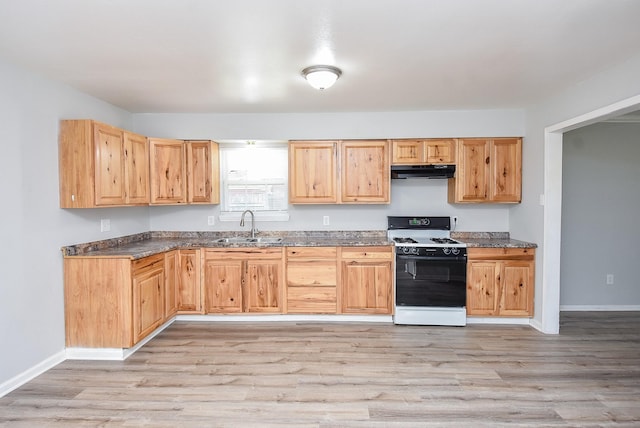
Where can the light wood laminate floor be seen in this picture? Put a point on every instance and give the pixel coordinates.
(351, 375)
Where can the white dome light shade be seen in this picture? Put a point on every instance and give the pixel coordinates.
(321, 76)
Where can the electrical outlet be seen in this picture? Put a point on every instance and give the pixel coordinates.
(609, 279)
(211, 220)
(325, 220)
(105, 225)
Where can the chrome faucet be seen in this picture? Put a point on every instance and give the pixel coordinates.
(253, 222)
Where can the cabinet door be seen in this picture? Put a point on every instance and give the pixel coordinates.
(148, 298)
(189, 289)
(170, 284)
(407, 152)
(440, 151)
(366, 287)
(203, 172)
(313, 172)
(168, 172)
(223, 285)
(516, 284)
(506, 170)
(263, 281)
(365, 171)
(482, 293)
(472, 173)
(109, 165)
(136, 155)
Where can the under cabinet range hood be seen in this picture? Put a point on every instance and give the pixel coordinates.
(422, 171)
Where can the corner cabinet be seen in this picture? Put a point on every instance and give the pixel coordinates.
(366, 280)
(115, 302)
(101, 165)
(241, 280)
(488, 170)
(423, 152)
(500, 281)
(339, 172)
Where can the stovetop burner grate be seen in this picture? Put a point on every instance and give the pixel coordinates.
(405, 240)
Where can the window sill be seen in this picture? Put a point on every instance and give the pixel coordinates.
(260, 216)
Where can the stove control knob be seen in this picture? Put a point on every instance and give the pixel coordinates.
(455, 251)
(447, 251)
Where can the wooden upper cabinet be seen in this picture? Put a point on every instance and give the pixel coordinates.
(168, 171)
(203, 173)
(425, 152)
(335, 172)
(136, 156)
(101, 165)
(365, 171)
(506, 170)
(488, 170)
(109, 149)
(313, 172)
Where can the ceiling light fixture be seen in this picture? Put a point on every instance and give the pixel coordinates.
(321, 76)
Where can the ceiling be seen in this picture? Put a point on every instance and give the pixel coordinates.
(245, 56)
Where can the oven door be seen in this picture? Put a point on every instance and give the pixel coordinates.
(431, 281)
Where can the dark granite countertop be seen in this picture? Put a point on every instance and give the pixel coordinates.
(149, 243)
(490, 240)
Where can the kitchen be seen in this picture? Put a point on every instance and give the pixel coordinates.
(35, 228)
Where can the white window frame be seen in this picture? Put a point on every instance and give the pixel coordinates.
(262, 215)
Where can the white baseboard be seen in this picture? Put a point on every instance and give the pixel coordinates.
(113, 354)
(596, 308)
(26, 376)
(499, 320)
(290, 318)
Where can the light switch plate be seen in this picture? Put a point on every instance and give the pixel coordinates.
(105, 225)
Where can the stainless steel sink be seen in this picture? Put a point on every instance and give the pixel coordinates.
(248, 240)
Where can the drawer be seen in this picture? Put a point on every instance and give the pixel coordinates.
(311, 300)
(315, 272)
(360, 253)
(312, 253)
(475, 253)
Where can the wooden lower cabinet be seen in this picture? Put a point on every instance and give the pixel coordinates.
(241, 280)
(171, 280)
(500, 281)
(366, 280)
(148, 295)
(312, 278)
(189, 290)
(113, 302)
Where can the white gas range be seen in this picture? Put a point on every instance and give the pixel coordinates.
(430, 272)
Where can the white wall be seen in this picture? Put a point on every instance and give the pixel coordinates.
(600, 211)
(527, 220)
(33, 228)
(410, 197)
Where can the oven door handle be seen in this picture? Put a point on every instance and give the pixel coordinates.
(432, 258)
